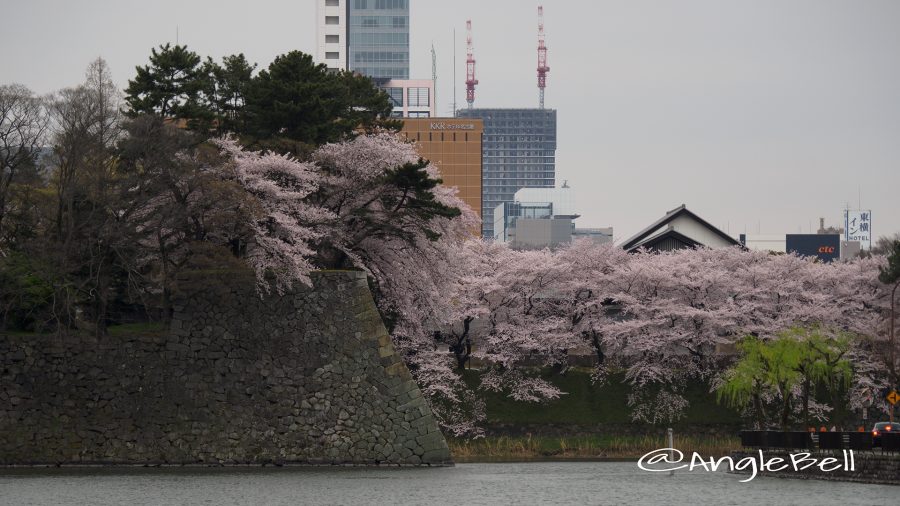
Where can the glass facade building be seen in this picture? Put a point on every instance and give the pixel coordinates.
(378, 38)
(371, 37)
(518, 151)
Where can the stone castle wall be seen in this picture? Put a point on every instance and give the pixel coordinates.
(309, 377)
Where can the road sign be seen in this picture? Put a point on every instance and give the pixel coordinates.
(893, 397)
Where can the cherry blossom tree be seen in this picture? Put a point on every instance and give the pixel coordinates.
(285, 226)
(669, 318)
(666, 319)
(371, 204)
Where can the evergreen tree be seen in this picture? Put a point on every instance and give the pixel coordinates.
(171, 86)
(228, 91)
(295, 99)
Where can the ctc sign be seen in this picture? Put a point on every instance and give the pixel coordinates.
(826, 249)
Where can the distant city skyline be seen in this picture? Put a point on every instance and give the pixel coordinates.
(759, 115)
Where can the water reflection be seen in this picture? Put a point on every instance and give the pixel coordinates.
(465, 484)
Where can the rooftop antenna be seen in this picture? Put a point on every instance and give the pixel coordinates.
(542, 67)
(470, 66)
(176, 35)
(434, 75)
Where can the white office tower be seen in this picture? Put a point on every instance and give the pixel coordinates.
(331, 33)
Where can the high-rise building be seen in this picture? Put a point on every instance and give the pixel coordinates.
(378, 38)
(519, 151)
(366, 36)
(371, 37)
(454, 145)
(411, 98)
(331, 33)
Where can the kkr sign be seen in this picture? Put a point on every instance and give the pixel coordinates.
(451, 126)
(825, 247)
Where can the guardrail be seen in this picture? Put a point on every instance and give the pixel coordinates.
(830, 441)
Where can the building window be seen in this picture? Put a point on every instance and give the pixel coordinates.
(332, 3)
(332, 39)
(332, 20)
(418, 97)
(332, 56)
(420, 115)
(359, 4)
(391, 4)
(399, 22)
(396, 96)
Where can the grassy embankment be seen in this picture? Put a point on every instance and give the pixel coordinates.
(593, 421)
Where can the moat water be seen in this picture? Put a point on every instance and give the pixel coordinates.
(606, 483)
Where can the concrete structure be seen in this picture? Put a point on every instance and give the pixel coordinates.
(411, 98)
(542, 218)
(764, 242)
(519, 152)
(598, 235)
(778, 243)
(850, 249)
(540, 233)
(307, 377)
(331, 33)
(366, 36)
(561, 199)
(455, 146)
(678, 229)
(533, 204)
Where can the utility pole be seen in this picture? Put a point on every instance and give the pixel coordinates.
(434, 100)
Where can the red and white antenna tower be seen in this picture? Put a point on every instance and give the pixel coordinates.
(542, 67)
(470, 66)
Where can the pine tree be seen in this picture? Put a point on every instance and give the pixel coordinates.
(171, 86)
(295, 99)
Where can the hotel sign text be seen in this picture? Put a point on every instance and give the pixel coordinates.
(452, 126)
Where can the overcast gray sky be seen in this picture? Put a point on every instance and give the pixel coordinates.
(758, 114)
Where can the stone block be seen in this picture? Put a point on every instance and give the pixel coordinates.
(310, 377)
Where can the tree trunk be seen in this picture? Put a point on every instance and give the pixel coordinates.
(462, 348)
(595, 342)
(760, 411)
(806, 388)
(785, 407)
(893, 367)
